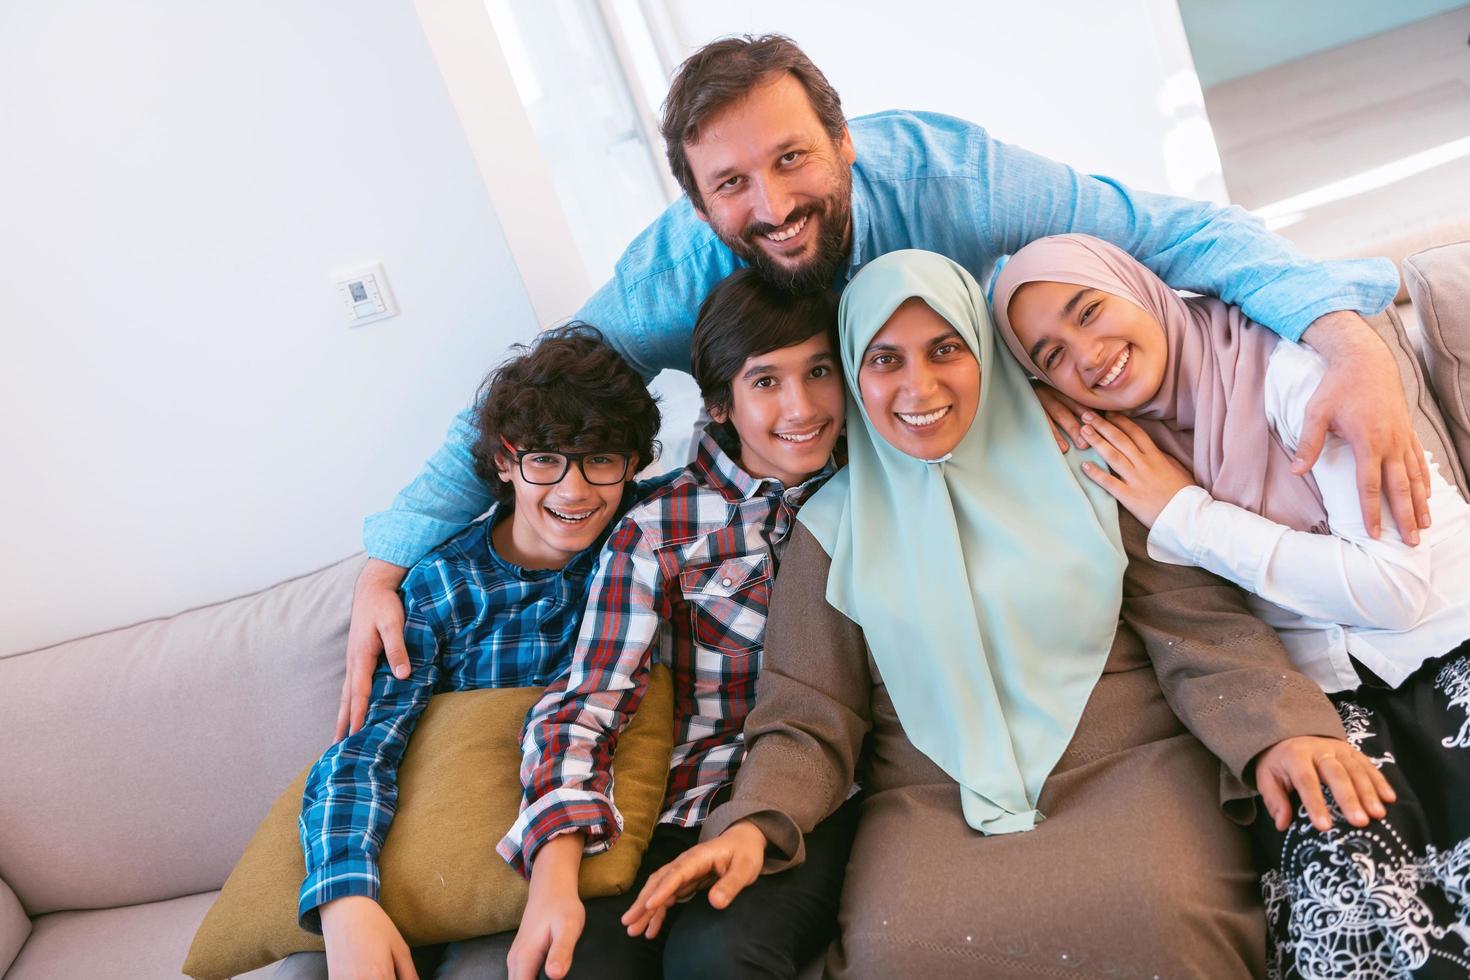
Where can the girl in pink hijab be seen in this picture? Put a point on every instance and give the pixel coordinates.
(1197, 412)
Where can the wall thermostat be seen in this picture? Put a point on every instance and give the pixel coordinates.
(365, 294)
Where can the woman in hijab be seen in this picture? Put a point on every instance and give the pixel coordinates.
(1210, 412)
(946, 633)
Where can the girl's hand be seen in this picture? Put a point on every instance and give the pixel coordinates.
(1144, 478)
(1063, 414)
(731, 861)
(1304, 763)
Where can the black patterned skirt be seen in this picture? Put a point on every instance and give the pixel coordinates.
(1391, 899)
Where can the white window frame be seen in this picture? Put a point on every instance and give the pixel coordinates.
(503, 143)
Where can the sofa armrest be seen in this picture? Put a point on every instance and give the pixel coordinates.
(1438, 281)
(15, 927)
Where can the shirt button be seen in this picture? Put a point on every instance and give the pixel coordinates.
(726, 582)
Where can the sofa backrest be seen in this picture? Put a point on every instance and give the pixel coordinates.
(137, 762)
(1438, 280)
(1429, 415)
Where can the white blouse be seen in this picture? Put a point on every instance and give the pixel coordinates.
(1390, 606)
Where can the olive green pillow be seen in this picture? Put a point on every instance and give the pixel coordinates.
(459, 791)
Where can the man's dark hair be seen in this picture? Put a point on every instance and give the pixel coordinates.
(746, 315)
(725, 71)
(567, 391)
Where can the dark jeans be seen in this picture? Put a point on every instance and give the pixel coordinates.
(773, 928)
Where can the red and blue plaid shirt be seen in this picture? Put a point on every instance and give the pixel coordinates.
(684, 580)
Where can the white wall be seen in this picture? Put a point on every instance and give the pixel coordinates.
(185, 415)
(1106, 87)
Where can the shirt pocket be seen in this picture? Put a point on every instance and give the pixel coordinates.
(728, 602)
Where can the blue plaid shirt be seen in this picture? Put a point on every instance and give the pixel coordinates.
(471, 620)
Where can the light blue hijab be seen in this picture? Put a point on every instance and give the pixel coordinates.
(988, 584)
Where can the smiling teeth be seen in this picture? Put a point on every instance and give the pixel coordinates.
(781, 236)
(798, 438)
(928, 419)
(570, 517)
(1118, 367)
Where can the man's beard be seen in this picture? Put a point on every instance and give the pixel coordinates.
(825, 255)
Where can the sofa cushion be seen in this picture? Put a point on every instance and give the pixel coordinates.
(1438, 280)
(1429, 422)
(138, 762)
(459, 792)
(115, 944)
(14, 926)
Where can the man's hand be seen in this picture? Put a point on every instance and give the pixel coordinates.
(377, 625)
(1361, 400)
(554, 915)
(732, 861)
(363, 943)
(1144, 477)
(1064, 415)
(1303, 764)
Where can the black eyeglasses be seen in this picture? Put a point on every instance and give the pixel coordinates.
(544, 467)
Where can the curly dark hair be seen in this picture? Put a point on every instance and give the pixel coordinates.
(745, 315)
(568, 391)
(725, 71)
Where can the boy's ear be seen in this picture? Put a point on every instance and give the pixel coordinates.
(718, 413)
(504, 466)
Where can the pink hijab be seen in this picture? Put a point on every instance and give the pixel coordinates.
(1210, 411)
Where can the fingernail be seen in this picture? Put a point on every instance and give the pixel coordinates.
(1088, 416)
(400, 672)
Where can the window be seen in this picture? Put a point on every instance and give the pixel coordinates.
(589, 75)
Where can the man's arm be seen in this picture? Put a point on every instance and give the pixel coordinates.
(440, 502)
(1360, 399)
(1194, 245)
(570, 734)
(1227, 252)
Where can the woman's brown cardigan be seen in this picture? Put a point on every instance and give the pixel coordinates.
(1135, 871)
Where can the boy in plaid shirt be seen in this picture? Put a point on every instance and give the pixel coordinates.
(685, 579)
(562, 429)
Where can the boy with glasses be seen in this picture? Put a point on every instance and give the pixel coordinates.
(685, 579)
(562, 428)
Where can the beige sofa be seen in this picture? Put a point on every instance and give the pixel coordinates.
(137, 763)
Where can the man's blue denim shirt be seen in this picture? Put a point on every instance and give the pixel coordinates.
(921, 180)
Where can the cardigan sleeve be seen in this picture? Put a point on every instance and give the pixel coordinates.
(805, 735)
(1224, 672)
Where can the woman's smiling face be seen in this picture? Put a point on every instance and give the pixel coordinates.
(920, 382)
(1099, 349)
